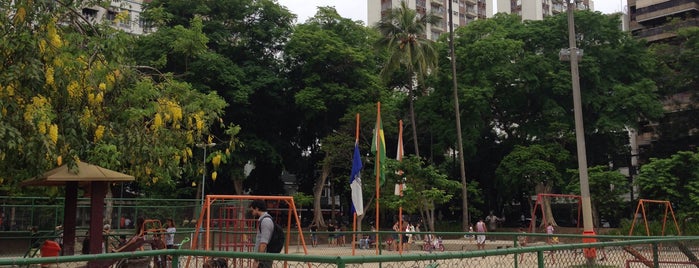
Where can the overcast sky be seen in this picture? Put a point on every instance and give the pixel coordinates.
(357, 9)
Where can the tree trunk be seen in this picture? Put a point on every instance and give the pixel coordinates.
(318, 192)
(411, 97)
(237, 184)
(542, 188)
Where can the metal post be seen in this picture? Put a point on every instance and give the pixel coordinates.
(203, 174)
(203, 178)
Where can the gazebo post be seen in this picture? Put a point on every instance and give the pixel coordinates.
(69, 217)
(98, 190)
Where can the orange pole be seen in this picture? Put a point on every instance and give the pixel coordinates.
(378, 160)
(354, 217)
(354, 232)
(400, 187)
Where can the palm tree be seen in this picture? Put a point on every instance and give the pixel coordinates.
(403, 31)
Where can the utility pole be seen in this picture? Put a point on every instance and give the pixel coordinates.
(588, 227)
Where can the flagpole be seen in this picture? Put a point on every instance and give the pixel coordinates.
(399, 157)
(378, 159)
(354, 220)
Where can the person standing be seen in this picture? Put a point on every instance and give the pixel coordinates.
(550, 239)
(331, 234)
(480, 238)
(417, 230)
(549, 231)
(265, 228)
(492, 221)
(314, 234)
(170, 237)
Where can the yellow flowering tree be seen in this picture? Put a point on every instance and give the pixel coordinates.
(69, 92)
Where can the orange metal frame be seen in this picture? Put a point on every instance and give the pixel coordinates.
(538, 204)
(229, 218)
(641, 206)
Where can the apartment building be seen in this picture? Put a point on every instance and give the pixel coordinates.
(538, 9)
(463, 12)
(656, 20)
(124, 15)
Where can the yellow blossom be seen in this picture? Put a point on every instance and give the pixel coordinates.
(53, 133)
(99, 133)
(42, 128)
(42, 46)
(49, 76)
(21, 14)
(157, 121)
(59, 160)
(73, 89)
(214, 175)
(216, 160)
(103, 86)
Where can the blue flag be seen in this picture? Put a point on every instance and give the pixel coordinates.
(356, 182)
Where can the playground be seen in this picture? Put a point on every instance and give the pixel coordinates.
(227, 235)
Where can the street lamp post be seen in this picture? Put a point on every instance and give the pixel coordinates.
(574, 54)
(203, 174)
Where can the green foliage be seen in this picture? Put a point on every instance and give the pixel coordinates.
(302, 199)
(526, 167)
(675, 179)
(75, 97)
(607, 188)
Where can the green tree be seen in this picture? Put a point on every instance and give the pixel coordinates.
(535, 167)
(331, 70)
(674, 179)
(403, 31)
(607, 188)
(521, 92)
(75, 97)
(241, 62)
(426, 188)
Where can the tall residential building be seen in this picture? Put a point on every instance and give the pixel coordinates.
(463, 12)
(124, 15)
(538, 9)
(656, 20)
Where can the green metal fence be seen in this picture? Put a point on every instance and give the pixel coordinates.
(22, 213)
(613, 252)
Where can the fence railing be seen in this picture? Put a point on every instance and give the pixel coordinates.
(680, 251)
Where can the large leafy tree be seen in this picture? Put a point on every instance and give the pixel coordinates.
(675, 179)
(426, 188)
(403, 39)
(521, 90)
(607, 189)
(74, 96)
(331, 69)
(240, 60)
(537, 167)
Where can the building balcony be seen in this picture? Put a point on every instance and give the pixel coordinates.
(437, 2)
(666, 9)
(661, 32)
